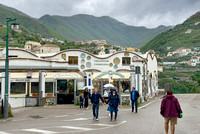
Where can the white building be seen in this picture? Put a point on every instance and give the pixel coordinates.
(59, 77)
(182, 51)
(194, 60)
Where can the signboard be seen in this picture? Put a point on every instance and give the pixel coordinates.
(101, 62)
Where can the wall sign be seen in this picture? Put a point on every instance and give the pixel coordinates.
(101, 62)
(63, 56)
(116, 61)
(88, 64)
(83, 55)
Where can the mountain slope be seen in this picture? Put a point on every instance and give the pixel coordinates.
(186, 34)
(86, 27)
(30, 24)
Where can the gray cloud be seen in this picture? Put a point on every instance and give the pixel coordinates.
(149, 13)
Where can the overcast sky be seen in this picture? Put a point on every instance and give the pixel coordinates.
(148, 13)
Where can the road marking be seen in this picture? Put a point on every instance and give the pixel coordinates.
(39, 131)
(1, 132)
(78, 119)
(20, 120)
(60, 116)
(76, 128)
(80, 114)
(103, 125)
(84, 119)
(139, 107)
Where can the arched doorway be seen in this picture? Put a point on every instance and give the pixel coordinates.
(65, 88)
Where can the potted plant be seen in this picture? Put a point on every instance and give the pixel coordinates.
(49, 95)
(35, 94)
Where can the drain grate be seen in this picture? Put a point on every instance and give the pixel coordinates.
(36, 117)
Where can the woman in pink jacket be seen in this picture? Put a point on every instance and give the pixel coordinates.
(170, 110)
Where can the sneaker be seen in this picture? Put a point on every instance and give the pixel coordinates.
(94, 118)
(97, 119)
(87, 108)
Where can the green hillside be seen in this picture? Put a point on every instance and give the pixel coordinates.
(186, 35)
(26, 22)
(87, 27)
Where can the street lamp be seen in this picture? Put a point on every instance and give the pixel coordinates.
(7, 69)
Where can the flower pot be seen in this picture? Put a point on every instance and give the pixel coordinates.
(35, 95)
(49, 95)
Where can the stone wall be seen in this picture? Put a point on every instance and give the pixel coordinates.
(49, 101)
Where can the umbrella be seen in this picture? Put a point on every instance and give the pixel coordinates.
(109, 86)
(89, 87)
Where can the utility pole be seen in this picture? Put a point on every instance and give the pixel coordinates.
(7, 71)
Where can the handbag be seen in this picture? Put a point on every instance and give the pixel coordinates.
(111, 103)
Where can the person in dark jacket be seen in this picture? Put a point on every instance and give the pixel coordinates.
(114, 103)
(170, 109)
(86, 97)
(81, 100)
(134, 96)
(95, 101)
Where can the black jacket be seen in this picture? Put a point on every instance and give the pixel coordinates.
(95, 98)
(136, 95)
(86, 95)
(114, 99)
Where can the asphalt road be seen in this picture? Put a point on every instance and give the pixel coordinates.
(71, 119)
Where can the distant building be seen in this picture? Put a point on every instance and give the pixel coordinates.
(169, 63)
(197, 48)
(194, 60)
(182, 51)
(112, 51)
(29, 45)
(130, 49)
(170, 54)
(47, 48)
(89, 42)
(160, 69)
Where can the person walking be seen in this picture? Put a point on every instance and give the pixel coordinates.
(171, 110)
(86, 97)
(81, 100)
(95, 103)
(114, 103)
(134, 96)
(108, 109)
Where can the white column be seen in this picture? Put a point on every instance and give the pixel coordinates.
(2, 85)
(42, 83)
(132, 80)
(74, 91)
(9, 83)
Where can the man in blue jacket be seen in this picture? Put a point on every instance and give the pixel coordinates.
(134, 96)
(95, 101)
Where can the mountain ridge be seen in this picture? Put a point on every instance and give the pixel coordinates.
(186, 34)
(84, 27)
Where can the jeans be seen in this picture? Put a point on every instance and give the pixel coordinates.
(115, 110)
(134, 102)
(95, 108)
(81, 104)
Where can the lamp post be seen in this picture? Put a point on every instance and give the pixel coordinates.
(7, 71)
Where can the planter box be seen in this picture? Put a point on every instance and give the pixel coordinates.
(34, 95)
(49, 95)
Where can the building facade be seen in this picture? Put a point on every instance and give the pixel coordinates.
(59, 78)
